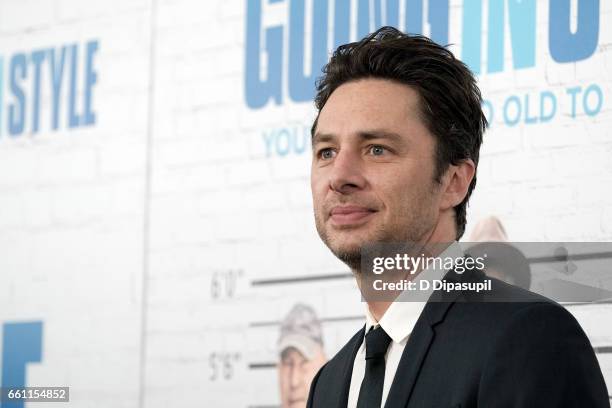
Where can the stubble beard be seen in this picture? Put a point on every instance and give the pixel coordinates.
(351, 256)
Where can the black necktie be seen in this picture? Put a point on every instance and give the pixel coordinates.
(370, 393)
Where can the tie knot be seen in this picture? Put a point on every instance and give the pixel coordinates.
(377, 342)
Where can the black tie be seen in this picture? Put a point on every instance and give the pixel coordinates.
(370, 393)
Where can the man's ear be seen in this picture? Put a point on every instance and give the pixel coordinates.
(456, 182)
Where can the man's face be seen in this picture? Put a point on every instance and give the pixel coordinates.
(295, 375)
(372, 175)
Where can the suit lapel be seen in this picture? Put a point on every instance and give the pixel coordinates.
(419, 343)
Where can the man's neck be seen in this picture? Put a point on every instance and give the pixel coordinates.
(378, 308)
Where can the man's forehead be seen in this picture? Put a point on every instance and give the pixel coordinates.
(373, 94)
(367, 105)
(292, 353)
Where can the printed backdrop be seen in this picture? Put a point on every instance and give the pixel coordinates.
(155, 214)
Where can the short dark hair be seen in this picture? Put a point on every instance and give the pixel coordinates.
(450, 101)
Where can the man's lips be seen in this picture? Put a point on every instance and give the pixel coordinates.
(350, 214)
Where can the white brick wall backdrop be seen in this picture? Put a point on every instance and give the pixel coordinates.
(126, 238)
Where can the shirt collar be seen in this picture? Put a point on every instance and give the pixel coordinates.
(401, 316)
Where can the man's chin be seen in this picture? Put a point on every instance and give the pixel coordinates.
(350, 242)
(346, 245)
(350, 255)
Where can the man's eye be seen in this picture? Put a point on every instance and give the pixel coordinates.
(326, 154)
(377, 150)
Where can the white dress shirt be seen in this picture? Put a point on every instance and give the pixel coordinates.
(398, 321)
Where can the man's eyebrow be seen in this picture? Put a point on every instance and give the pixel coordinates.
(363, 135)
(380, 134)
(322, 138)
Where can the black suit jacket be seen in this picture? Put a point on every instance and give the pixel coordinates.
(507, 348)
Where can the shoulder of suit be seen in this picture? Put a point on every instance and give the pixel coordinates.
(500, 291)
(507, 304)
(498, 306)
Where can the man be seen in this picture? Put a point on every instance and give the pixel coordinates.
(300, 347)
(395, 151)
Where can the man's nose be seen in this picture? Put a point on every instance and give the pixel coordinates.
(347, 173)
(295, 377)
